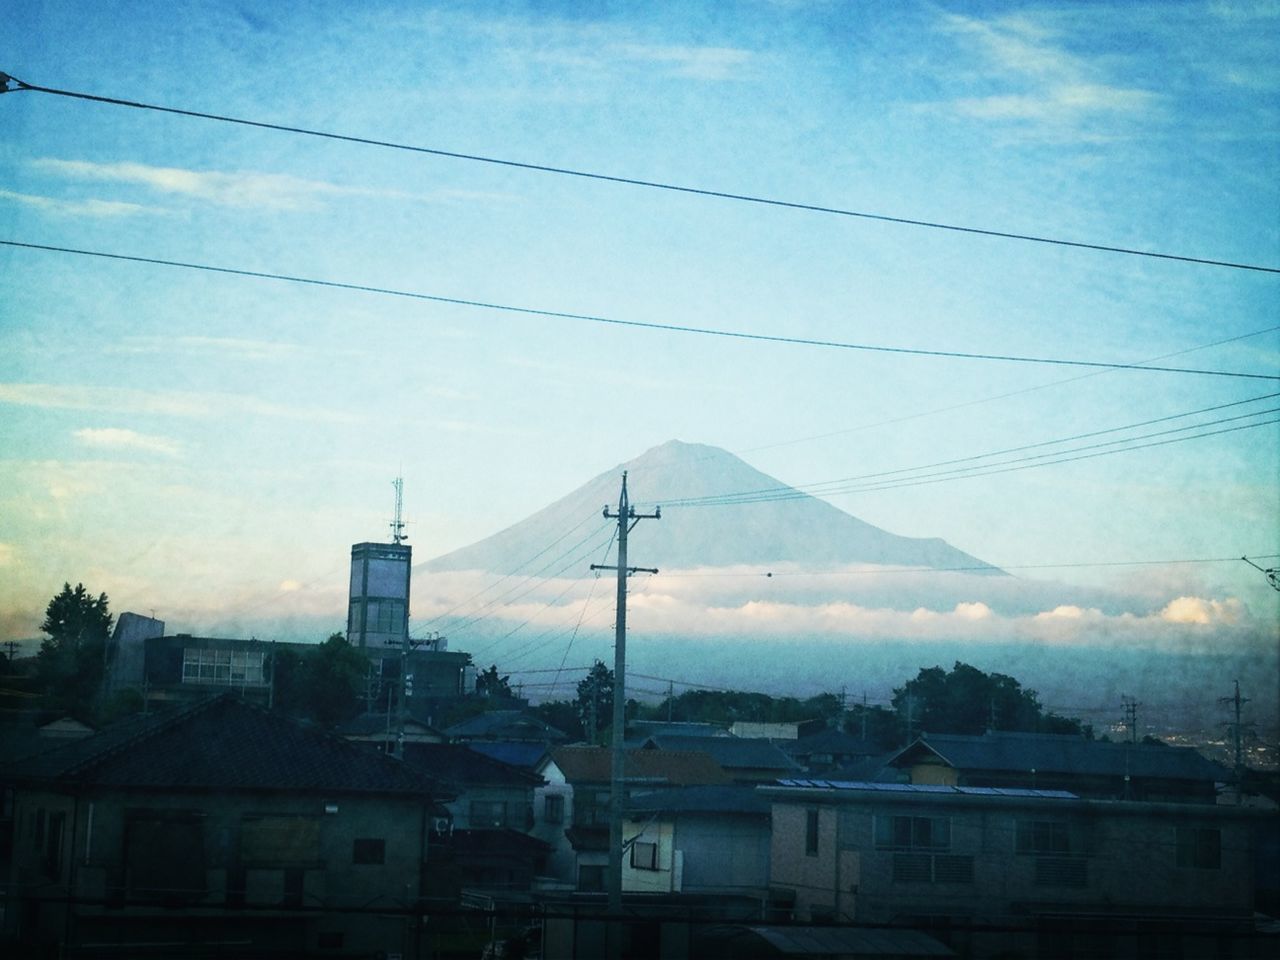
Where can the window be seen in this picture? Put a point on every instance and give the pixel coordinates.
(1062, 872)
(811, 833)
(591, 879)
(1042, 836)
(932, 868)
(913, 833)
(229, 667)
(553, 808)
(644, 856)
(164, 854)
(368, 850)
(53, 844)
(488, 814)
(1199, 848)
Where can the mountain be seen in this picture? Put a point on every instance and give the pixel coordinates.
(805, 530)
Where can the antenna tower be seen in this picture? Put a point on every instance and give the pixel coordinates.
(397, 525)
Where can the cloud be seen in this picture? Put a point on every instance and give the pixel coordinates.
(115, 438)
(167, 403)
(1055, 95)
(79, 208)
(238, 348)
(696, 63)
(242, 188)
(8, 555)
(1202, 612)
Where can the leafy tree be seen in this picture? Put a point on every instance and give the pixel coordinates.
(69, 666)
(595, 700)
(323, 684)
(563, 715)
(966, 700)
(335, 675)
(489, 684)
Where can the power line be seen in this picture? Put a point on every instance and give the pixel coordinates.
(636, 324)
(5, 79)
(968, 473)
(819, 487)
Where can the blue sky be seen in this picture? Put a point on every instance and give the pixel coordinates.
(209, 446)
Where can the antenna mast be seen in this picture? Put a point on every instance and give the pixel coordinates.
(397, 525)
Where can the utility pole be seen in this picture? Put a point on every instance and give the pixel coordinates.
(627, 519)
(864, 716)
(1131, 717)
(1237, 736)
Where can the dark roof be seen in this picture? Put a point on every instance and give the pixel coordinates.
(669, 767)
(934, 789)
(518, 753)
(505, 842)
(506, 725)
(458, 765)
(732, 753)
(730, 798)
(1050, 753)
(830, 741)
(222, 743)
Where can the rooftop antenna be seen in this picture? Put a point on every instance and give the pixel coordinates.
(397, 525)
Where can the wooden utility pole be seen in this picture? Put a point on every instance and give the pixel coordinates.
(627, 519)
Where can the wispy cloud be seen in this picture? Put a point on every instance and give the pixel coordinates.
(243, 188)
(79, 208)
(163, 402)
(695, 63)
(235, 347)
(1051, 92)
(118, 438)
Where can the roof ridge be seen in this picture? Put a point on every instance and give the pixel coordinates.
(146, 731)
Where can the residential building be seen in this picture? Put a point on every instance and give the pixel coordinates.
(572, 811)
(1002, 870)
(1089, 768)
(745, 760)
(219, 826)
(700, 840)
(829, 749)
(509, 725)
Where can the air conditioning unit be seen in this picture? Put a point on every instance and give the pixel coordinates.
(442, 825)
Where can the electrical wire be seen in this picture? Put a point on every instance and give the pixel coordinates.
(22, 85)
(634, 324)
(966, 473)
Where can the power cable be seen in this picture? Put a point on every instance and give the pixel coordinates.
(983, 471)
(636, 324)
(6, 79)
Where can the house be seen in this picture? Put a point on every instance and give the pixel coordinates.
(572, 810)
(789, 730)
(640, 730)
(506, 725)
(1014, 870)
(527, 754)
(745, 760)
(829, 749)
(699, 840)
(1089, 768)
(383, 730)
(491, 815)
(220, 826)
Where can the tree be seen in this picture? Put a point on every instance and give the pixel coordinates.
(69, 666)
(489, 684)
(966, 700)
(323, 684)
(563, 715)
(595, 700)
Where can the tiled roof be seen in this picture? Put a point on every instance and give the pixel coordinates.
(222, 743)
(928, 788)
(1047, 753)
(673, 767)
(733, 753)
(506, 725)
(518, 753)
(458, 765)
(830, 741)
(731, 798)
